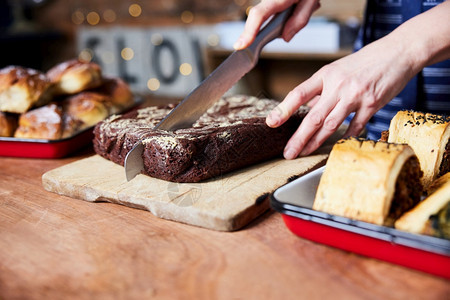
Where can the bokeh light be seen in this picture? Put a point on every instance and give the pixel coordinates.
(213, 40)
(156, 39)
(187, 17)
(86, 55)
(77, 17)
(127, 53)
(185, 69)
(109, 15)
(153, 84)
(135, 10)
(248, 10)
(93, 18)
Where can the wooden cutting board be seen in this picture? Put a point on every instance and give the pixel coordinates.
(226, 203)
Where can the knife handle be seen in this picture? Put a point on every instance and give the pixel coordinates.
(271, 31)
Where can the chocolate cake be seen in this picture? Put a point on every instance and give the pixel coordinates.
(230, 135)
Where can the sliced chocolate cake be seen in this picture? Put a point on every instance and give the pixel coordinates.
(230, 135)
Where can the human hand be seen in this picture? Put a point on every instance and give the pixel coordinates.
(362, 82)
(266, 8)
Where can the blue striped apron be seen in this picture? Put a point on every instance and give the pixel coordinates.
(428, 91)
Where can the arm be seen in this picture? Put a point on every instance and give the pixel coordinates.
(364, 81)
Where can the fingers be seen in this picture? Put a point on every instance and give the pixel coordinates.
(358, 123)
(303, 93)
(328, 112)
(308, 131)
(319, 125)
(300, 17)
(256, 17)
(313, 101)
(331, 124)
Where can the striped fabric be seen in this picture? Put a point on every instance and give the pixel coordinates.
(428, 91)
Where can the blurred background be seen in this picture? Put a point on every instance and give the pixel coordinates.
(165, 48)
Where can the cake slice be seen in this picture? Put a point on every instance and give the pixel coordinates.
(369, 181)
(230, 135)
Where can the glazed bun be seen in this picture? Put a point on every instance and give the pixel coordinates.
(118, 91)
(74, 76)
(23, 88)
(41, 123)
(64, 119)
(86, 109)
(71, 97)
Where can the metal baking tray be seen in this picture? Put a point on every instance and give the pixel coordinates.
(295, 200)
(44, 148)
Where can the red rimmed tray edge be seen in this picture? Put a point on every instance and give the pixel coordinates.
(418, 259)
(355, 232)
(43, 148)
(34, 148)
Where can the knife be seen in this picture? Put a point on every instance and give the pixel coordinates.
(211, 89)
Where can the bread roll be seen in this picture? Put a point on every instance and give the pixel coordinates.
(22, 88)
(428, 135)
(8, 124)
(41, 123)
(75, 76)
(84, 110)
(118, 92)
(62, 120)
(417, 220)
(369, 181)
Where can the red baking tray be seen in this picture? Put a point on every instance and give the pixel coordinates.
(294, 201)
(43, 148)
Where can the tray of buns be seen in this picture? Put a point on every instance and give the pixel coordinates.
(52, 114)
(387, 199)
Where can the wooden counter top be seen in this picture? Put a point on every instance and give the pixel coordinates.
(54, 247)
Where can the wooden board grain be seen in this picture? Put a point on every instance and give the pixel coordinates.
(225, 204)
(55, 247)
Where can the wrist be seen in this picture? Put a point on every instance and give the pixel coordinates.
(409, 51)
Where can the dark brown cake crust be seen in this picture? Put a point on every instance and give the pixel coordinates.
(230, 136)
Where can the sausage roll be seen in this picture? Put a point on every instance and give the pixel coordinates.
(432, 215)
(428, 135)
(369, 181)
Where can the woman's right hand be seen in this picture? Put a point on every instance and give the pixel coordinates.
(266, 8)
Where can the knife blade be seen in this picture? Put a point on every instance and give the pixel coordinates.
(211, 89)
